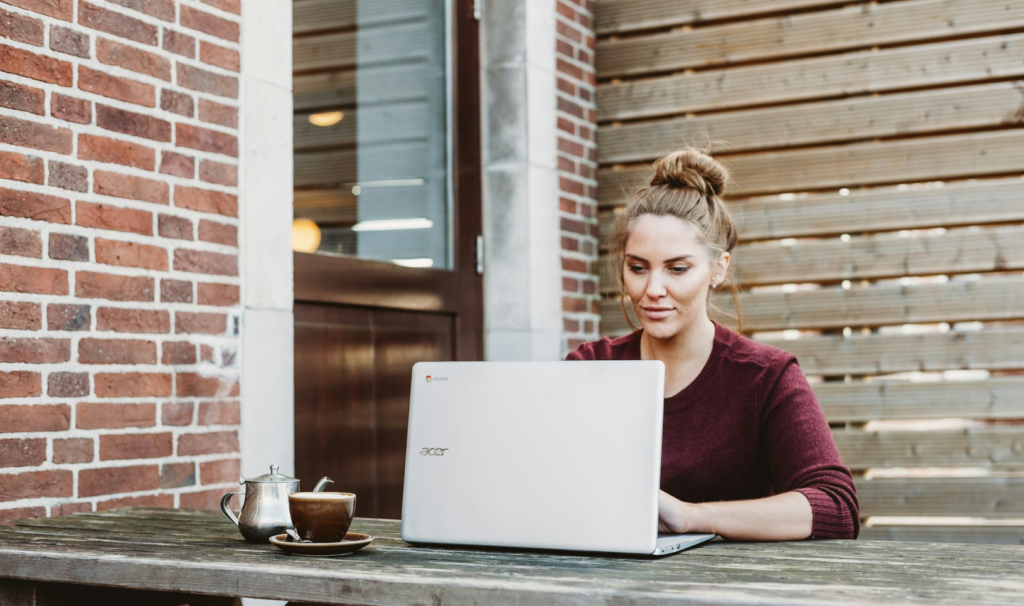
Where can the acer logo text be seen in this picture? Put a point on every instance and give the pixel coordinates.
(433, 452)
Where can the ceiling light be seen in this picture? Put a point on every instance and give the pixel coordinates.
(393, 224)
(326, 118)
(305, 235)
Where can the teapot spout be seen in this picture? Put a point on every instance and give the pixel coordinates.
(324, 481)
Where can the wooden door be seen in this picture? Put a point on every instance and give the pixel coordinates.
(360, 324)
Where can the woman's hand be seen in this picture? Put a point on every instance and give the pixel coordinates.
(675, 516)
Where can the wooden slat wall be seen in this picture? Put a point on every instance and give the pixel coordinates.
(877, 153)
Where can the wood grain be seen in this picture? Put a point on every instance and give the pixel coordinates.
(397, 43)
(996, 497)
(847, 74)
(309, 16)
(993, 448)
(1006, 535)
(621, 16)
(991, 399)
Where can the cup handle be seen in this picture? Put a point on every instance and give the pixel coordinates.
(227, 510)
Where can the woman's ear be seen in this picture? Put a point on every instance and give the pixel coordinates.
(721, 268)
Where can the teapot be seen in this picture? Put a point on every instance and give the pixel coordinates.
(265, 511)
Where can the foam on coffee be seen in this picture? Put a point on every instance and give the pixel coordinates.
(321, 496)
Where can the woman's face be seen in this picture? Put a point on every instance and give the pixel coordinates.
(667, 273)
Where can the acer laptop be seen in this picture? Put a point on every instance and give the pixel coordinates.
(542, 455)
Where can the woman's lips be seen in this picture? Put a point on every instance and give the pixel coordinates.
(657, 313)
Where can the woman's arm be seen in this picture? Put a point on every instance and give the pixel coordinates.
(782, 517)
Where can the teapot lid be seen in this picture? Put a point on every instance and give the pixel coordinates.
(273, 477)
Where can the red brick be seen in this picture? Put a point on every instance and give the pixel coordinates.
(130, 187)
(73, 450)
(207, 443)
(566, 165)
(92, 285)
(71, 109)
(231, 6)
(570, 244)
(219, 56)
(38, 280)
(20, 316)
(66, 509)
(115, 416)
(22, 98)
(569, 107)
(220, 233)
(175, 291)
(178, 228)
(179, 165)
(220, 472)
(41, 417)
(20, 242)
(574, 265)
(218, 172)
(116, 87)
(217, 294)
(102, 149)
(67, 247)
(34, 351)
(23, 133)
(130, 254)
(61, 9)
(122, 26)
(206, 499)
(112, 480)
(197, 261)
(570, 186)
(22, 453)
(67, 384)
(193, 385)
(217, 113)
(207, 82)
(205, 200)
(135, 446)
(573, 226)
(68, 317)
(9, 516)
(206, 353)
(132, 123)
(69, 176)
(205, 139)
(161, 9)
(570, 147)
(178, 352)
(570, 284)
(176, 413)
(151, 500)
(209, 23)
(105, 216)
(570, 325)
(149, 321)
(570, 304)
(35, 484)
(569, 32)
(178, 103)
(176, 475)
(186, 322)
(179, 43)
(39, 207)
(116, 351)
(132, 385)
(70, 42)
(18, 384)
(220, 413)
(30, 65)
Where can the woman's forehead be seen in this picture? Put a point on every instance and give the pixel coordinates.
(655, 238)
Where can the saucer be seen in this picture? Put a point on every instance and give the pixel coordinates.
(353, 542)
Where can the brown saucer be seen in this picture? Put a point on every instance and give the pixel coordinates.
(353, 542)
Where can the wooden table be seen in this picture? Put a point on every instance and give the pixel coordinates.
(178, 556)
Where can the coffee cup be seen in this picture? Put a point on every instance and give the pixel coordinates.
(322, 517)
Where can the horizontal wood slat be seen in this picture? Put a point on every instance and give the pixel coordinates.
(339, 90)
(325, 170)
(1004, 535)
(618, 16)
(995, 448)
(815, 78)
(380, 124)
(886, 209)
(995, 398)
(882, 354)
(399, 43)
(310, 16)
(327, 206)
(880, 305)
(978, 497)
(850, 166)
(860, 118)
(856, 26)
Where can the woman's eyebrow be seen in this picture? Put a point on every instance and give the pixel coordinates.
(672, 260)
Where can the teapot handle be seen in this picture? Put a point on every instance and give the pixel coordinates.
(227, 510)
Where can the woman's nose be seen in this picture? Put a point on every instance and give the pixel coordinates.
(655, 287)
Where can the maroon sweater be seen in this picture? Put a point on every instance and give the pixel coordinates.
(748, 427)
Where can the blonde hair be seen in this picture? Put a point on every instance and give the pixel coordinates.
(687, 184)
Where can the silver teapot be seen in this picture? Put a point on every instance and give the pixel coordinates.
(265, 511)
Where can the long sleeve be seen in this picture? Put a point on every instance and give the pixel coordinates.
(802, 455)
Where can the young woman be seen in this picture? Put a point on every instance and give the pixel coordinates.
(746, 451)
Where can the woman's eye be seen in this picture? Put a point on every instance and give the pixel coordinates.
(636, 268)
(680, 270)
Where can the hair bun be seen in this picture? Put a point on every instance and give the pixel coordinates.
(691, 168)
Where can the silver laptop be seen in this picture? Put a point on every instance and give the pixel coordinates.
(543, 455)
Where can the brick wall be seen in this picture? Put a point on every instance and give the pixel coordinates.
(119, 288)
(577, 167)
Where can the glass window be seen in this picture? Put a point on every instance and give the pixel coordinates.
(372, 130)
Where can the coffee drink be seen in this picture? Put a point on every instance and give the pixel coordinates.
(322, 517)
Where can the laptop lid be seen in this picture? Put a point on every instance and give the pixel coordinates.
(550, 455)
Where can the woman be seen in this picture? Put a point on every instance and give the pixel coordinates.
(746, 452)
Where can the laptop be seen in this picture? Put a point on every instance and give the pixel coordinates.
(537, 455)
